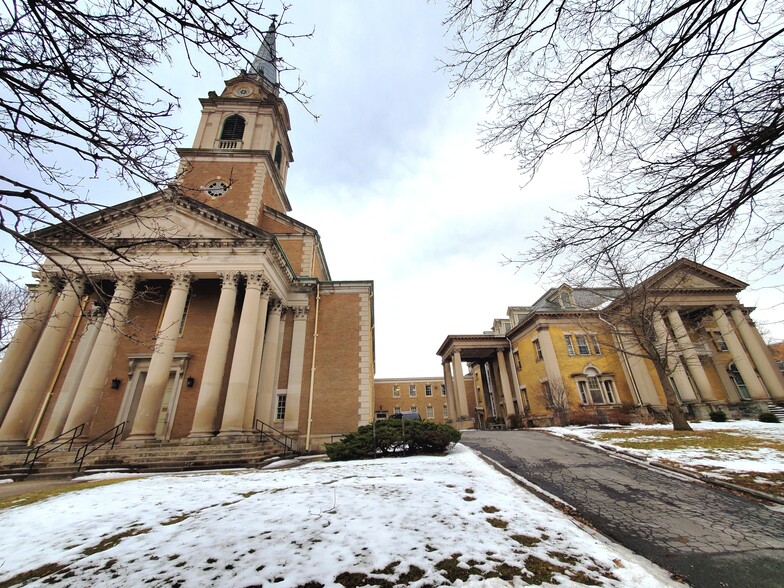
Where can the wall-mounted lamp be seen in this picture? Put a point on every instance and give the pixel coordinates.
(116, 384)
(189, 382)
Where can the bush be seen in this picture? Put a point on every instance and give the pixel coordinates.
(580, 418)
(717, 416)
(394, 437)
(768, 417)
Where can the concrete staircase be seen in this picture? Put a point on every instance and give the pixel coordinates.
(778, 410)
(157, 456)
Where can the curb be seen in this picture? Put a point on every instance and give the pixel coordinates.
(697, 476)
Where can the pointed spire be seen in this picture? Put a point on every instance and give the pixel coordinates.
(264, 66)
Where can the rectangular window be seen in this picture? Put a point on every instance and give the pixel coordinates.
(595, 391)
(395, 391)
(412, 391)
(582, 386)
(595, 342)
(443, 389)
(280, 411)
(537, 350)
(609, 391)
(582, 345)
(428, 390)
(414, 408)
(431, 414)
(569, 344)
(397, 410)
(721, 344)
(516, 356)
(182, 318)
(446, 411)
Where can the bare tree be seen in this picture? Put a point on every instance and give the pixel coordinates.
(553, 395)
(678, 105)
(12, 304)
(633, 315)
(77, 80)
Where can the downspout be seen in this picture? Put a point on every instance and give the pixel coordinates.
(313, 369)
(50, 389)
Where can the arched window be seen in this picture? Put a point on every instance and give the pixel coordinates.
(595, 388)
(737, 379)
(278, 155)
(233, 128)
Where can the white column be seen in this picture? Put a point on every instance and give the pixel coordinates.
(640, 375)
(296, 361)
(450, 391)
(268, 381)
(23, 343)
(460, 391)
(92, 385)
(506, 387)
(241, 363)
(742, 361)
(43, 366)
(675, 368)
(160, 365)
(690, 357)
(205, 418)
(258, 353)
(760, 354)
(75, 373)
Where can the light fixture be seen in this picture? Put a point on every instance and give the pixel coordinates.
(189, 382)
(116, 384)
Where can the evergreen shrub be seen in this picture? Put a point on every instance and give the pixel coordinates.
(768, 417)
(717, 416)
(394, 437)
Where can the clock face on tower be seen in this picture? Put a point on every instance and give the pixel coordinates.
(242, 91)
(216, 188)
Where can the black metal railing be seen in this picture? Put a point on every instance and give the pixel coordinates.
(277, 436)
(96, 443)
(66, 438)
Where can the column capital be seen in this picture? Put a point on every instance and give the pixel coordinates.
(277, 306)
(46, 282)
(96, 311)
(181, 280)
(229, 279)
(128, 279)
(300, 312)
(256, 280)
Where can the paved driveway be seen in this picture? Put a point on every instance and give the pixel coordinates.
(708, 535)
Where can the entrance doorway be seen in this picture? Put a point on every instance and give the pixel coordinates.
(138, 366)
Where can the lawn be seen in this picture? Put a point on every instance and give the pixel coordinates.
(747, 453)
(413, 521)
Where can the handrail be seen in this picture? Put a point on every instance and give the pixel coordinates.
(35, 452)
(288, 444)
(85, 450)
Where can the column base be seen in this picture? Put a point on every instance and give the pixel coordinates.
(201, 434)
(141, 437)
(13, 443)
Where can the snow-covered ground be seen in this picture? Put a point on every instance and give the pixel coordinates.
(410, 521)
(749, 459)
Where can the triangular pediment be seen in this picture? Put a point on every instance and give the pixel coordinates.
(685, 274)
(157, 217)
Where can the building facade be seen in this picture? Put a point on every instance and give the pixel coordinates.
(426, 396)
(601, 354)
(196, 311)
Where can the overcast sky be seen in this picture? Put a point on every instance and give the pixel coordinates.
(392, 177)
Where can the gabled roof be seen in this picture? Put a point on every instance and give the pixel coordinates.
(686, 274)
(162, 215)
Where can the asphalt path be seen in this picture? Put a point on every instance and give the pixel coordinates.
(707, 535)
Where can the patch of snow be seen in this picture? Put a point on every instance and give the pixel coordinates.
(304, 524)
(6, 480)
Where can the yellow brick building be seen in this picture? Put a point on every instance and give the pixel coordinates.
(578, 354)
(426, 396)
(218, 311)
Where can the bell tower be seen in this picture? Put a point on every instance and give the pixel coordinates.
(241, 154)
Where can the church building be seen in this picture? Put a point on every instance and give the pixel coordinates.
(197, 313)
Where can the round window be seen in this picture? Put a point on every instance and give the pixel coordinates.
(217, 188)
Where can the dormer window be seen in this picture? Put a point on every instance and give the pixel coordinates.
(232, 132)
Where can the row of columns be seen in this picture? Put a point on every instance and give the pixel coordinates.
(28, 370)
(744, 344)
